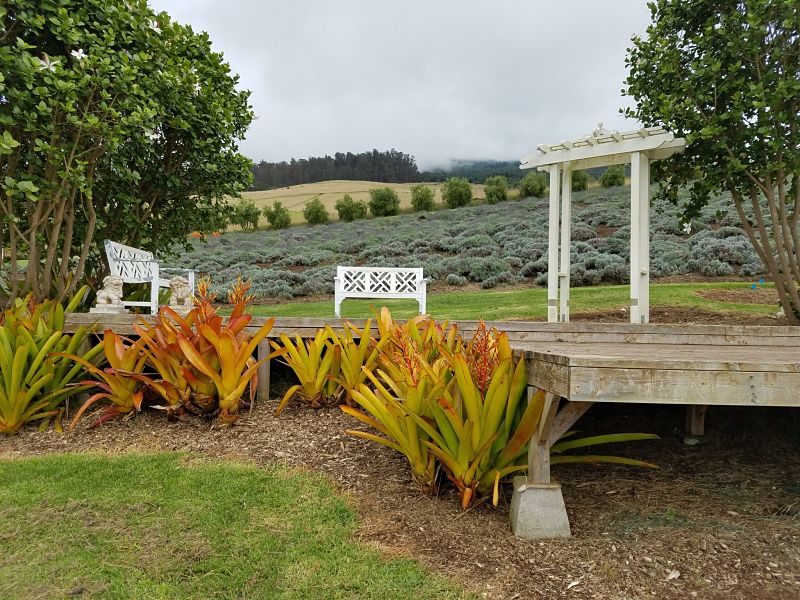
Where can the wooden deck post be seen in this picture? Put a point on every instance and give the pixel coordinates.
(262, 391)
(695, 423)
(537, 507)
(539, 449)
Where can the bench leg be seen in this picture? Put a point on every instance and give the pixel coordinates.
(154, 289)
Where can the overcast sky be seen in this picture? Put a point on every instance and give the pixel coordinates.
(438, 79)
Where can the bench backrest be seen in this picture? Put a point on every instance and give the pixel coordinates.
(132, 264)
(377, 281)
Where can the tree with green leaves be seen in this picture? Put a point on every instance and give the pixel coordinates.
(315, 212)
(495, 189)
(116, 123)
(726, 76)
(383, 202)
(613, 176)
(580, 181)
(533, 184)
(350, 209)
(422, 197)
(456, 191)
(278, 215)
(246, 215)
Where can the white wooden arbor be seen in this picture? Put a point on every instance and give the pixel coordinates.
(602, 148)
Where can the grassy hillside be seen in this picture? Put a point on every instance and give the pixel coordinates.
(486, 245)
(295, 197)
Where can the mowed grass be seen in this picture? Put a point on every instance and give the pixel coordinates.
(329, 192)
(161, 526)
(524, 303)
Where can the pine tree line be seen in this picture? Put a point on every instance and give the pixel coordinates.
(389, 166)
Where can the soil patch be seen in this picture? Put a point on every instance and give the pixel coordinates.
(741, 296)
(683, 315)
(719, 520)
(604, 231)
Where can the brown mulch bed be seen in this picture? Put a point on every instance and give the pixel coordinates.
(742, 296)
(681, 315)
(718, 520)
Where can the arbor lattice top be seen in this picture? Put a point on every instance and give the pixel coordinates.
(602, 148)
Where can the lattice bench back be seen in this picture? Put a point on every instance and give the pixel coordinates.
(380, 282)
(132, 264)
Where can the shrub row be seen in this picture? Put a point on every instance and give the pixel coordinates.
(485, 244)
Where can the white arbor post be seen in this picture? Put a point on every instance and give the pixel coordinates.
(566, 236)
(552, 246)
(640, 238)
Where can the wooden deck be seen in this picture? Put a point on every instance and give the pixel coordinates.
(753, 375)
(694, 366)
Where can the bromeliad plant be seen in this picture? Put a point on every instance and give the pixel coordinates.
(203, 362)
(124, 357)
(463, 404)
(37, 378)
(402, 410)
(317, 365)
(419, 337)
(355, 355)
(557, 456)
(483, 424)
(200, 363)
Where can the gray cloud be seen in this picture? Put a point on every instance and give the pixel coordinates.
(439, 79)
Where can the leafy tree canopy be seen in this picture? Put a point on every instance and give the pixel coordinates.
(533, 184)
(349, 209)
(422, 197)
(116, 122)
(613, 176)
(383, 202)
(580, 181)
(278, 215)
(496, 189)
(726, 76)
(315, 212)
(456, 192)
(246, 215)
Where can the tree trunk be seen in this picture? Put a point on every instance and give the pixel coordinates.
(775, 243)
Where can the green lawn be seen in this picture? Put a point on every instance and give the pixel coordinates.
(522, 303)
(161, 526)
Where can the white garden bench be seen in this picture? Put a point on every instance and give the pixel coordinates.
(380, 282)
(134, 265)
